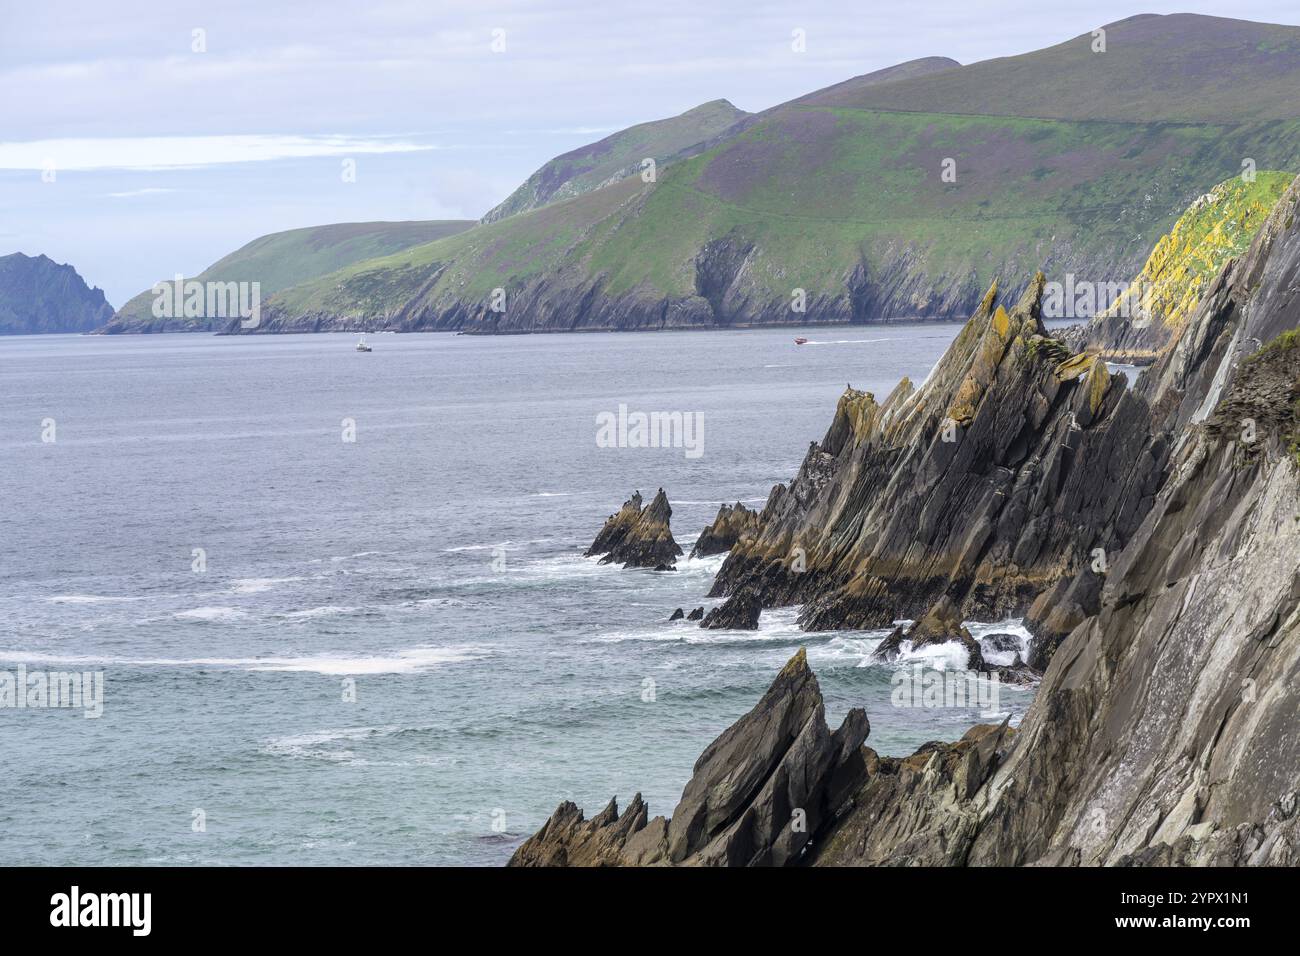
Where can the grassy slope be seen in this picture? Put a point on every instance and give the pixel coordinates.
(1218, 226)
(284, 259)
(1180, 67)
(618, 155)
(819, 188)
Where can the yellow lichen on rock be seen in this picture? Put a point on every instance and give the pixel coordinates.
(860, 411)
(1213, 229)
(1098, 384)
(1001, 322)
(1074, 366)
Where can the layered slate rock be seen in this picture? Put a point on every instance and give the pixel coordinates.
(1164, 731)
(638, 537)
(758, 794)
(739, 612)
(732, 523)
(995, 479)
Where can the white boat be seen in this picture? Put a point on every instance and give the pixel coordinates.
(362, 346)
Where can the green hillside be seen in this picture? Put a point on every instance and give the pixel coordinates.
(283, 259)
(845, 200)
(1182, 67)
(618, 156)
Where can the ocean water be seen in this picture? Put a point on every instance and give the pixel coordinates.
(430, 570)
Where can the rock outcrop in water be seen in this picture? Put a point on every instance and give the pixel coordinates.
(942, 625)
(739, 612)
(732, 523)
(1164, 731)
(637, 536)
(758, 793)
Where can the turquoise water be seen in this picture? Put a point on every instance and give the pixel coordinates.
(431, 569)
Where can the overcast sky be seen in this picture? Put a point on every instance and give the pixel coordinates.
(166, 159)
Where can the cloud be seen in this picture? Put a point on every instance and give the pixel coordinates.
(131, 193)
(187, 152)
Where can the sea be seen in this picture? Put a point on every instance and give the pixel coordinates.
(337, 603)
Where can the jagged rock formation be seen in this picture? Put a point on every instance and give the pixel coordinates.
(732, 522)
(1164, 731)
(38, 294)
(758, 793)
(996, 478)
(738, 612)
(638, 537)
(777, 788)
(696, 615)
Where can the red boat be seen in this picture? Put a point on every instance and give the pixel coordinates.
(800, 341)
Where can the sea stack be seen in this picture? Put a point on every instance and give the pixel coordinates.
(732, 522)
(638, 537)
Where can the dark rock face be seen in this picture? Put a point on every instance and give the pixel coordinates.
(1164, 729)
(759, 793)
(677, 615)
(732, 522)
(996, 479)
(638, 537)
(695, 615)
(568, 840)
(916, 811)
(39, 295)
(739, 612)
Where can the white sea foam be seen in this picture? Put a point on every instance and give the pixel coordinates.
(211, 614)
(257, 585)
(477, 547)
(315, 745)
(407, 661)
(326, 610)
(1014, 626)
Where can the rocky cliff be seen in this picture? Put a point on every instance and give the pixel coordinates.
(1164, 730)
(1001, 474)
(40, 295)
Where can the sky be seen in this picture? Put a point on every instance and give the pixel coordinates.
(144, 138)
